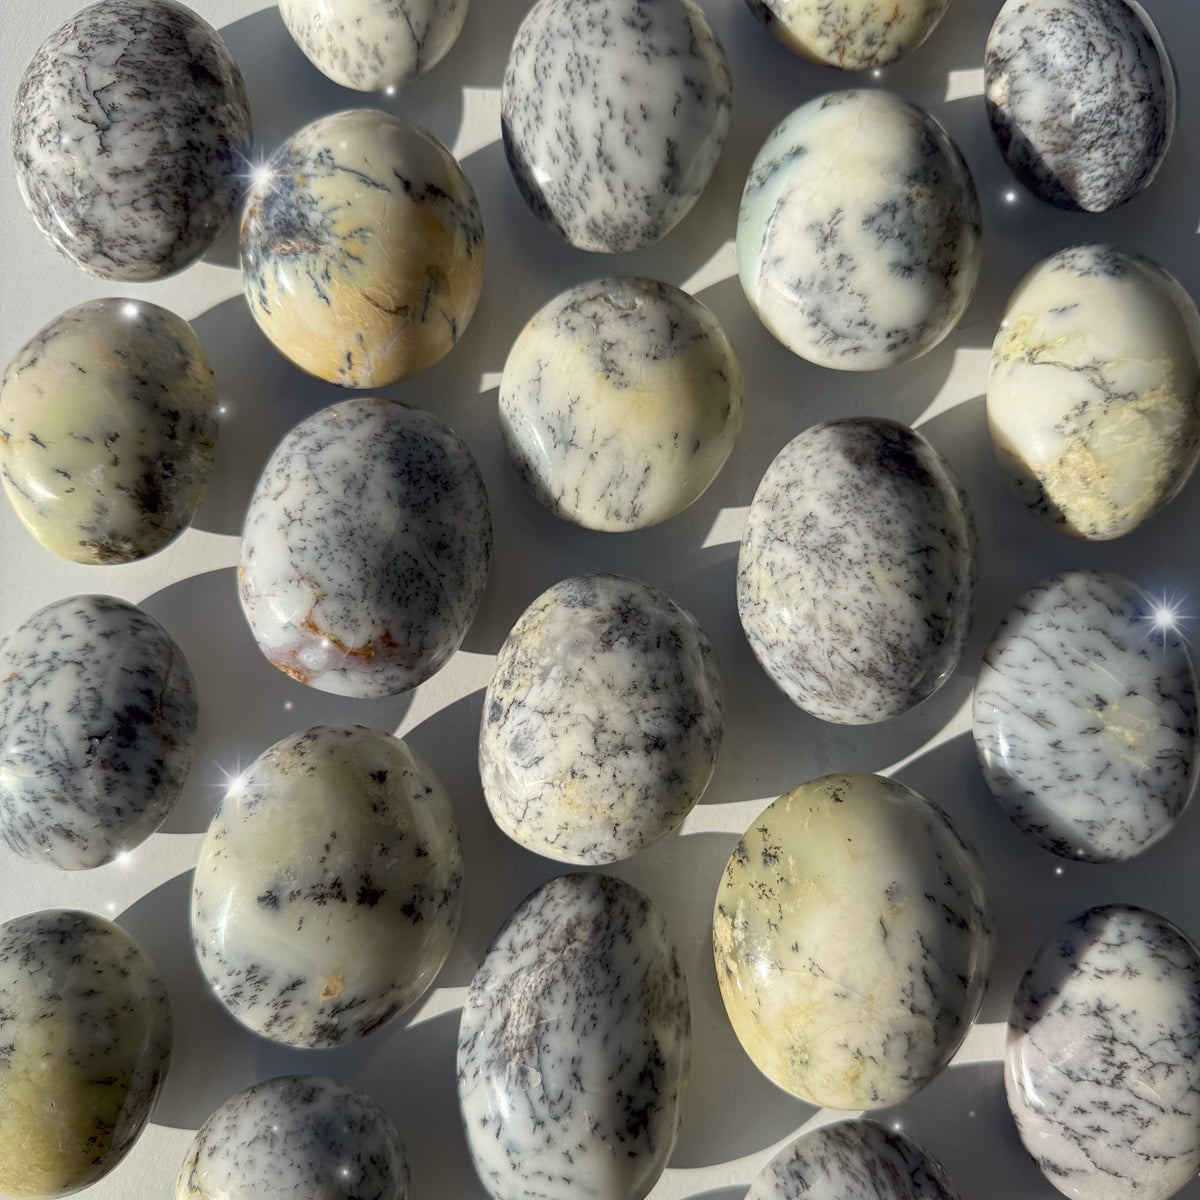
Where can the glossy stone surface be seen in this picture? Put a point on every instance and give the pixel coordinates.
(856, 861)
(851, 34)
(365, 549)
(87, 1040)
(1085, 717)
(1093, 396)
(852, 1160)
(574, 1045)
(858, 238)
(130, 135)
(1082, 99)
(1102, 1066)
(362, 249)
(107, 425)
(614, 113)
(327, 894)
(98, 718)
(870, 509)
(371, 45)
(602, 722)
(292, 1138)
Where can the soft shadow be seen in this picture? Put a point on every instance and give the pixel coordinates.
(726, 1193)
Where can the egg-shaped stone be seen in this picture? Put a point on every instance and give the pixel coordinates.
(602, 722)
(620, 402)
(365, 549)
(1082, 99)
(856, 573)
(362, 249)
(296, 1137)
(373, 45)
(613, 115)
(130, 134)
(86, 1041)
(858, 237)
(574, 1045)
(108, 419)
(1085, 717)
(328, 889)
(1093, 397)
(852, 1160)
(852, 34)
(98, 717)
(1102, 1065)
(853, 936)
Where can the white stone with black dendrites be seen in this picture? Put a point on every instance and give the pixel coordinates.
(328, 889)
(130, 134)
(365, 549)
(1082, 99)
(1085, 717)
(602, 722)
(1102, 1066)
(614, 113)
(292, 1138)
(620, 402)
(574, 1046)
(858, 238)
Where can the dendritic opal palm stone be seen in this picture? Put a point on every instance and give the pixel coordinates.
(108, 419)
(851, 34)
(858, 238)
(130, 134)
(86, 1042)
(620, 402)
(292, 1138)
(365, 549)
(1085, 717)
(1102, 1067)
(853, 937)
(574, 1045)
(602, 722)
(362, 249)
(1093, 396)
(869, 509)
(98, 719)
(1082, 99)
(852, 1160)
(328, 889)
(613, 114)
(372, 45)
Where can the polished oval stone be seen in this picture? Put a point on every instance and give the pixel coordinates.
(130, 134)
(602, 722)
(614, 113)
(856, 573)
(863, 862)
(292, 1138)
(620, 402)
(98, 718)
(108, 418)
(1093, 397)
(1082, 99)
(372, 45)
(852, 1160)
(365, 550)
(362, 249)
(327, 894)
(1102, 1066)
(1085, 717)
(858, 238)
(852, 34)
(87, 1040)
(574, 1045)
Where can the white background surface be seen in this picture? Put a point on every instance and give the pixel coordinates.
(733, 1119)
